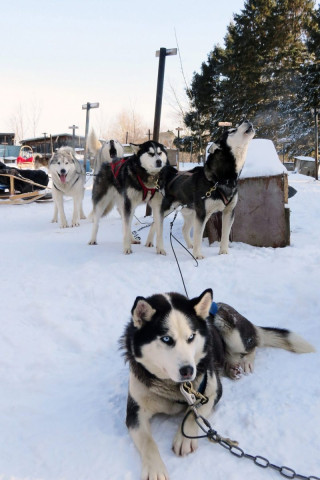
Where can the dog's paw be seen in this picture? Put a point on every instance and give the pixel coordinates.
(54, 220)
(183, 446)
(155, 470)
(127, 251)
(64, 225)
(234, 371)
(149, 244)
(92, 242)
(161, 251)
(198, 256)
(75, 224)
(223, 251)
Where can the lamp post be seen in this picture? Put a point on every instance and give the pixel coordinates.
(162, 54)
(44, 145)
(179, 130)
(87, 106)
(73, 128)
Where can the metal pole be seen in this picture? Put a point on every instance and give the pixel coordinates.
(157, 114)
(44, 145)
(316, 136)
(86, 135)
(73, 128)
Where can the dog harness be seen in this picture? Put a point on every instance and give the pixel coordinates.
(116, 166)
(145, 189)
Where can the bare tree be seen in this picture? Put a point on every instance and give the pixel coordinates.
(34, 115)
(17, 122)
(129, 127)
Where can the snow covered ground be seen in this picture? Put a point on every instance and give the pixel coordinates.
(63, 379)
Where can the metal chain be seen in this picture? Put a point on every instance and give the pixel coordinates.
(226, 443)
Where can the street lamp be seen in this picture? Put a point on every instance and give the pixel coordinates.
(73, 127)
(179, 130)
(44, 145)
(162, 53)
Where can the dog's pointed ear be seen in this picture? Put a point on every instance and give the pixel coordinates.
(135, 147)
(213, 147)
(203, 303)
(141, 312)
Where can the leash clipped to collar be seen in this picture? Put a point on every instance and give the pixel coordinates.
(193, 397)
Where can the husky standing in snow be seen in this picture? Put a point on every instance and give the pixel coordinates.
(68, 179)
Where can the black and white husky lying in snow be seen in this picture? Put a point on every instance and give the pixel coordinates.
(170, 340)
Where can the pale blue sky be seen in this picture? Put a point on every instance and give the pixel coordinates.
(57, 55)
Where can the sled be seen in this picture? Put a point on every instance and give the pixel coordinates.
(25, 158)
(12, 198)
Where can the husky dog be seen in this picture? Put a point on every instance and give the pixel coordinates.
(170, 340)
(209, 189)
(128, 182)
(68, 178)
(105, 151)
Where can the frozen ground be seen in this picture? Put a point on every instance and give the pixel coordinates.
(64, 381)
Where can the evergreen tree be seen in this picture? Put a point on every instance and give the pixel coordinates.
(258, 73)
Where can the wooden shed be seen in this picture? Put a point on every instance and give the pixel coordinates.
(306, 166)
(262, 217)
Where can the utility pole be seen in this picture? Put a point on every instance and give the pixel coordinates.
(316, 138)
(162, 53)
(73, 127)
(87, 106)
(45, 144)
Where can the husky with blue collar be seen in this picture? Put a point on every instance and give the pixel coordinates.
(171, 340)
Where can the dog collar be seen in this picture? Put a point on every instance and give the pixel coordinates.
(213, 309)
(203, 384)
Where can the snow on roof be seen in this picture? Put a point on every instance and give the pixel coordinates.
(309, 159)
(262, 160)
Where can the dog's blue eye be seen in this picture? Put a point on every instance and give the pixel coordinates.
(167, 340)
(191, 338)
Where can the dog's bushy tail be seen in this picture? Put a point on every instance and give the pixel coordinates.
(282, 338)
(94, 144)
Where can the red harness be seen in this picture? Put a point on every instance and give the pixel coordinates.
(116, 166)
(146, 189)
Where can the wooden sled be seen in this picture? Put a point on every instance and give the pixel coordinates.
(13, 198)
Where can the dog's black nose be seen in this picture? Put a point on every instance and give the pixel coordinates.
(158, 163)
(63, 171)
(186, 372)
